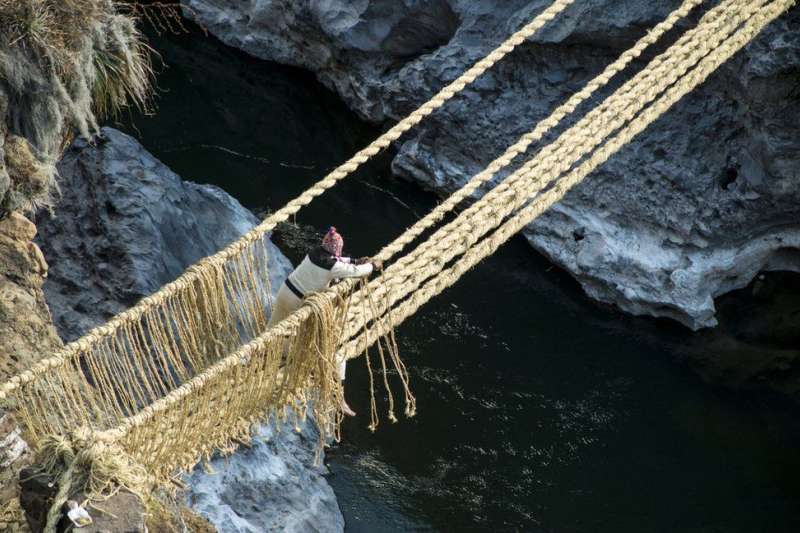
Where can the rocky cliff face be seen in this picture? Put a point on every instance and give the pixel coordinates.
(694, 208)
(26, 331)
(125, 226)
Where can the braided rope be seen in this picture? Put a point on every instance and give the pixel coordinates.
(454, 238)
(541, 203)
(542, 128)
(186, 280)
(198, 384)
(524, 143)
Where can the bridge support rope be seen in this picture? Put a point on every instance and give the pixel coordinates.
(455, 238)
(193, 368)
(188, 282)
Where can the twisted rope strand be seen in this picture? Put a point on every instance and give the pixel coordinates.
(522, 145)
(541, 203)
(454, 238)
(233, 250)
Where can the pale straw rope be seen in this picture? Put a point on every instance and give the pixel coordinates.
(186, 390)
(542, 128)
(524, 143)
(454, 238)
(544, 201)
(231, 251)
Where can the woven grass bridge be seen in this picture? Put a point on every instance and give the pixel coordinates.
(189, 370)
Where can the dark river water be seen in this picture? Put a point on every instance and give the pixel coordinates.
(537, 409)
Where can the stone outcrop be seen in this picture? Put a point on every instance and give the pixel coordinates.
(272, 485)
(693, 208)
(14, 456)
(26, 331)
(125, 226)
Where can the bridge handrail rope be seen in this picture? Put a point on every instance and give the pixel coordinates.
(675, 92)
(541, 203)
(297, 318)
(541, 129)
(183, 377)
(185, 280)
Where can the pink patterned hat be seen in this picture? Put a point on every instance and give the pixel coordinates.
(333, 242)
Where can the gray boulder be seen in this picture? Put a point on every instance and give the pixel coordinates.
(270, 486)
(126, 224)
(692, 209)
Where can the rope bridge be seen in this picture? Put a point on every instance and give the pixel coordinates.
(189, 370)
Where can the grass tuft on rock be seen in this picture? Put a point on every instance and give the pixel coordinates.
(32, 184)
(65, 65)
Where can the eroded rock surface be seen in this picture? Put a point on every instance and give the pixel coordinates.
(26, 331)
(125, 226)
(271, 486)
(124, 512)
(692, 209)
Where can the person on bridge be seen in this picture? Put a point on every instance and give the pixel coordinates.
(323, 264)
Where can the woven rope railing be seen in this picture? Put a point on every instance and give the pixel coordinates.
(153, 347)
(593, 86)
(256, 234)
(150, 435)
(180, 402)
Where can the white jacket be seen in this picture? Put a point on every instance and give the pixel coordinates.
(319, 268)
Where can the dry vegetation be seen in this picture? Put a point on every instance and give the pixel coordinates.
(94, 43)
(31, 183)
(64, 65)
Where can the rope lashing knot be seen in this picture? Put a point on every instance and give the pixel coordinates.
(82, 463)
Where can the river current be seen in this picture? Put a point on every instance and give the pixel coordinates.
(537, 409)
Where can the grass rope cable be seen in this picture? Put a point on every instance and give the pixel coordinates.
(189, 370)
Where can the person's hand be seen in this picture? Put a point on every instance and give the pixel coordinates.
(377, 264)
